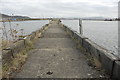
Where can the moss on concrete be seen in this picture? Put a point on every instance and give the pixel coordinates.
(8, 70)
(92, 61)
(5, 44)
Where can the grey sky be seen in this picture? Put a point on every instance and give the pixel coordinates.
(61, 8)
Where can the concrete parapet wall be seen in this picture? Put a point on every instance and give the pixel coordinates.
(108, 61)
(116, 70)
(10, 53)
(7, 56)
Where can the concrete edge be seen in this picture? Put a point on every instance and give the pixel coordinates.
(109, 61)
(9, 53)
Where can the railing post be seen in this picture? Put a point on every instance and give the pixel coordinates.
(80, 26)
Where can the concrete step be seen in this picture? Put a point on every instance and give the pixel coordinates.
(52, 43)
(57, 63)
(55, 35)
(55, 56)
(52, 30)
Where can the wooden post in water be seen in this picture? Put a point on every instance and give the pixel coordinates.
(80, 26)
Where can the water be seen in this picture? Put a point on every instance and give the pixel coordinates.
(28, 26)
(24, 27)
(104, 33)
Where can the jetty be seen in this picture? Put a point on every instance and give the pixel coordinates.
(60, 52)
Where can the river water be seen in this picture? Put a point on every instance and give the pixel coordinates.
(27, 26)
(24, 27)
(104, 33)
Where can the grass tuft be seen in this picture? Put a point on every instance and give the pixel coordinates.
(15, 65)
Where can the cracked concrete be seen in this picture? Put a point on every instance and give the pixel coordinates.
(55, 56)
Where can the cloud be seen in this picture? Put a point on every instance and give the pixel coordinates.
(61, 8)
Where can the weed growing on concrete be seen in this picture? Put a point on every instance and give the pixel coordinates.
(17, 62)
(10, 33)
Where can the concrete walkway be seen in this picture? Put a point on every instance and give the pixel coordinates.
(55, 56)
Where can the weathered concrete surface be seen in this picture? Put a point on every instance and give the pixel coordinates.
(102, 57)
(55, 56)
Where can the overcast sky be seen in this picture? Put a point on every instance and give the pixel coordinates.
(60, 8)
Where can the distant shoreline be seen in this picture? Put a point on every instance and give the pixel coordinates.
(50, 19)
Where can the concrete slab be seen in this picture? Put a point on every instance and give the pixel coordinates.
(57, 63)
(56, 30)
(55, 56)
(55, 35)
(54, 43)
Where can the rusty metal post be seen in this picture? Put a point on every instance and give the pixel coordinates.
(80, 26)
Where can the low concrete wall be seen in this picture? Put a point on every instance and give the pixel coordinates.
(9, 53)
(116, 70)
(109, 62)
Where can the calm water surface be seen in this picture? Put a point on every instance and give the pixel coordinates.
(104, 33)
(27, 26)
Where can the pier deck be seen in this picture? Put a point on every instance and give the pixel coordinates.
(55, 56)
